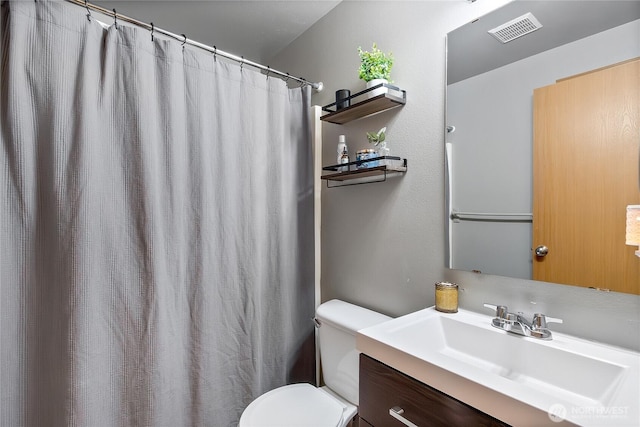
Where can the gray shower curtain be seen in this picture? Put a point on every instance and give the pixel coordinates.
(156, 227)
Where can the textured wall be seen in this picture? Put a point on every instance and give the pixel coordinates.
(383, 244)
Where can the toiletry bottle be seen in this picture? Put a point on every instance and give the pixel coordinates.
(343, 153)
(344, 159)
(342, 145)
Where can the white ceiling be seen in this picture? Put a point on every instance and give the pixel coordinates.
(257, 30)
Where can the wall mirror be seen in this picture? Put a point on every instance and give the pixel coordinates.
(542, 142)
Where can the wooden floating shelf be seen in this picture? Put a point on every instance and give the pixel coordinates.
(367, 107)
(356, 174)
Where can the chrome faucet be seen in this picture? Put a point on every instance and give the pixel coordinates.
(517, 324)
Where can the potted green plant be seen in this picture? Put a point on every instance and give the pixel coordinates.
(375, 68)
(376, 138)
(379, 139)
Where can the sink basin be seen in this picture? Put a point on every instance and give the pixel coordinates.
(461, 354)
(551, 369)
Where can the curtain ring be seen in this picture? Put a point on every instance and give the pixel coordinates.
(88, 11)
(241, 63)
(268, 71)
(184, 41)
(152, 31)
(215, 54)
(115, 18)
(288, 77)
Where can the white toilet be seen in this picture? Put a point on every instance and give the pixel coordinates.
(333, 405)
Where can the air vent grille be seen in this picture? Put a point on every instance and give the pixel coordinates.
(515, 28)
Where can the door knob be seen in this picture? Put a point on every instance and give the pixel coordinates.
(542, 250)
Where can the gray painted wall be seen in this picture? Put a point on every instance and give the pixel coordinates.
(492, 146)
(383, 245)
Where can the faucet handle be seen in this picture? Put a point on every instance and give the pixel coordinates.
(540, 321)
(501, 310)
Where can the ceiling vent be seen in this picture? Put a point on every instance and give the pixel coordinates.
(515, 28)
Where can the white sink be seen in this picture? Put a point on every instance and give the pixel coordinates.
(517, 379)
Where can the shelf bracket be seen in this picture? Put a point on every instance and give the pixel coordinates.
(364, 180)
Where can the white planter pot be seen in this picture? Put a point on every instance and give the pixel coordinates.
(376, 92)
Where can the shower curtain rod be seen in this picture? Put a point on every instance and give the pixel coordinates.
(117, 16)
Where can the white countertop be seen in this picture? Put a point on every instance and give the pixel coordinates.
(418, 345)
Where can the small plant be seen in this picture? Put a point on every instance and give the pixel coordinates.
(376, 138)
(375, 64)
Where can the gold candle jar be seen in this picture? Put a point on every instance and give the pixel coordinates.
(447, 297)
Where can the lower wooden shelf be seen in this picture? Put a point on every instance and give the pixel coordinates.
(355, 173)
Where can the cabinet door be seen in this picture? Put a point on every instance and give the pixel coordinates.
(383, 388)
(361, 422)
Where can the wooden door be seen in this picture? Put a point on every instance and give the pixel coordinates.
(586, 159)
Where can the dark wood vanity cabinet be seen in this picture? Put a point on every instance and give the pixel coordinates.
(383, 388)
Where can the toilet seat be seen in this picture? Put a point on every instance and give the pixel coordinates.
(295, 405)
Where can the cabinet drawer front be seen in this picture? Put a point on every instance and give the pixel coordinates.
(383, 388)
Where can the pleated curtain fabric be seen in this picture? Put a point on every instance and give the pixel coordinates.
(156, 227)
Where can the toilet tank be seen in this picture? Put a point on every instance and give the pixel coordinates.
(339, 322)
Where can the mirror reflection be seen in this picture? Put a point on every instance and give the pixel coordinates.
(542, 145)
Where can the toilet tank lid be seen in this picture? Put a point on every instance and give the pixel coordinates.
(348, 316)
